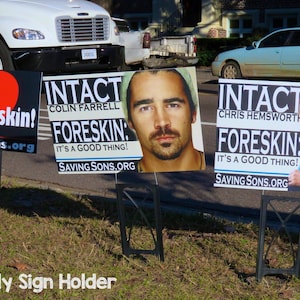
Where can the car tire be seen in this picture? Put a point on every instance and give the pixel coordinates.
(231, 70)
(5, 58)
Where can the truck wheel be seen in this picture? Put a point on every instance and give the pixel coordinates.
(231, 70)
(5, 58)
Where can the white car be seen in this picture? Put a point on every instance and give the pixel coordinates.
(274, 56)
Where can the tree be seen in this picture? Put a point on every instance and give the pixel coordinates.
(107, 4)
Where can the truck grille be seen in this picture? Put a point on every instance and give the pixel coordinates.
(80, 30)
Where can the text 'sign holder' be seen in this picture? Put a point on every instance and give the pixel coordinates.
(133, 196)
(265, 252)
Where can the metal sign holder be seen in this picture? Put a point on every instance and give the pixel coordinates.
(126, 192)
(262, 267)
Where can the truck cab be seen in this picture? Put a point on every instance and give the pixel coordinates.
(58, 37)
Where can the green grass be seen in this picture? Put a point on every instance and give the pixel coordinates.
(47, 232)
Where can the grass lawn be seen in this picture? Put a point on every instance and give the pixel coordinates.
(48, 235)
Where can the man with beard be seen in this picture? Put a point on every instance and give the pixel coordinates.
(160, 109)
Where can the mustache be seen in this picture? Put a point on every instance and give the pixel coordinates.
(163, 131)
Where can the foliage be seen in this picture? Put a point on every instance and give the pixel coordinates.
(208, 48)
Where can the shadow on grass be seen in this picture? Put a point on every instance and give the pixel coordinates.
(30, 201)
(181, 208)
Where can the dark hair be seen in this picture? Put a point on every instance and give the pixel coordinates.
(186, 89)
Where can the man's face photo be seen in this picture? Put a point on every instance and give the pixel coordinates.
(160, 113)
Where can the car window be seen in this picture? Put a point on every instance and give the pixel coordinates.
(295, 38)
(275, 40)
(122, 25)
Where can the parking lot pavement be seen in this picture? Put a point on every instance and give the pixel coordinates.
(204, 75)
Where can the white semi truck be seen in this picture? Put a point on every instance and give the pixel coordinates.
(58, 37)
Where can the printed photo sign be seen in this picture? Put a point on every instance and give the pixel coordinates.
(258, 134)
(101, 122)
(19, 110)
